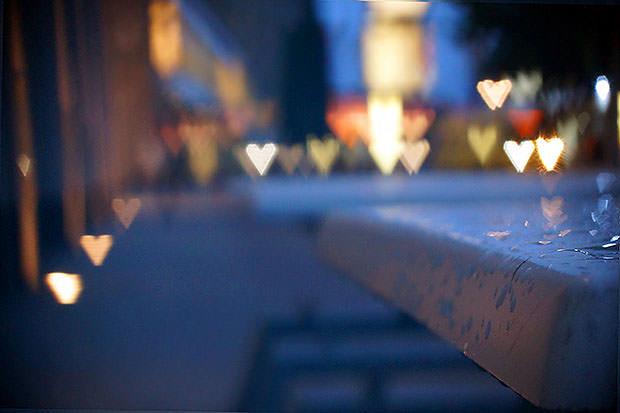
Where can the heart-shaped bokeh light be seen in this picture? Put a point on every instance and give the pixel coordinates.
(386, 154)
(494, 93)
(549, 151)
(261, 157)
(414, 155)
(126, 211)
(482, 141)
(519, 153)
(65, 287)
(323, 153)
(96, 247)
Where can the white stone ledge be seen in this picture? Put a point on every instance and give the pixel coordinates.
(541, 321)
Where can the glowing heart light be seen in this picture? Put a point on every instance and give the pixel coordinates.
(549, 151)
(65, 287)
(23, 163)
(126, 211)
(385, 115)
(261, 157)
(494, 93)
(386, 154)
(289, 157)
(348, 120)
(414, 155)
(568, 129)
(482, 141)
(519, 153)
(323, 153)
(525, 87)
(96, 247)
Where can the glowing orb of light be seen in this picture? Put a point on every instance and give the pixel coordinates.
(65, 287)
(601, 87)
(549, 151)
(519, 153)
(601, 91)
(261, 157)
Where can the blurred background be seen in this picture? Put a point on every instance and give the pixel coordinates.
(137, 137)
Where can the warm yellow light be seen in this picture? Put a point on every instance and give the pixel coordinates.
(386, 154)
(323, 153)
(23, 163)
(519, 153)
(482, 141)
(126, 211)
(261, 157)
(385, 114)
(398, 9)
(494, 93)
(96, 247)
(393, 57)
(65, 287)
(549, 151)
(165, 36)
(203, 159)
(231, 82)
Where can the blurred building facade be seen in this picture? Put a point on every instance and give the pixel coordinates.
(102, 97)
